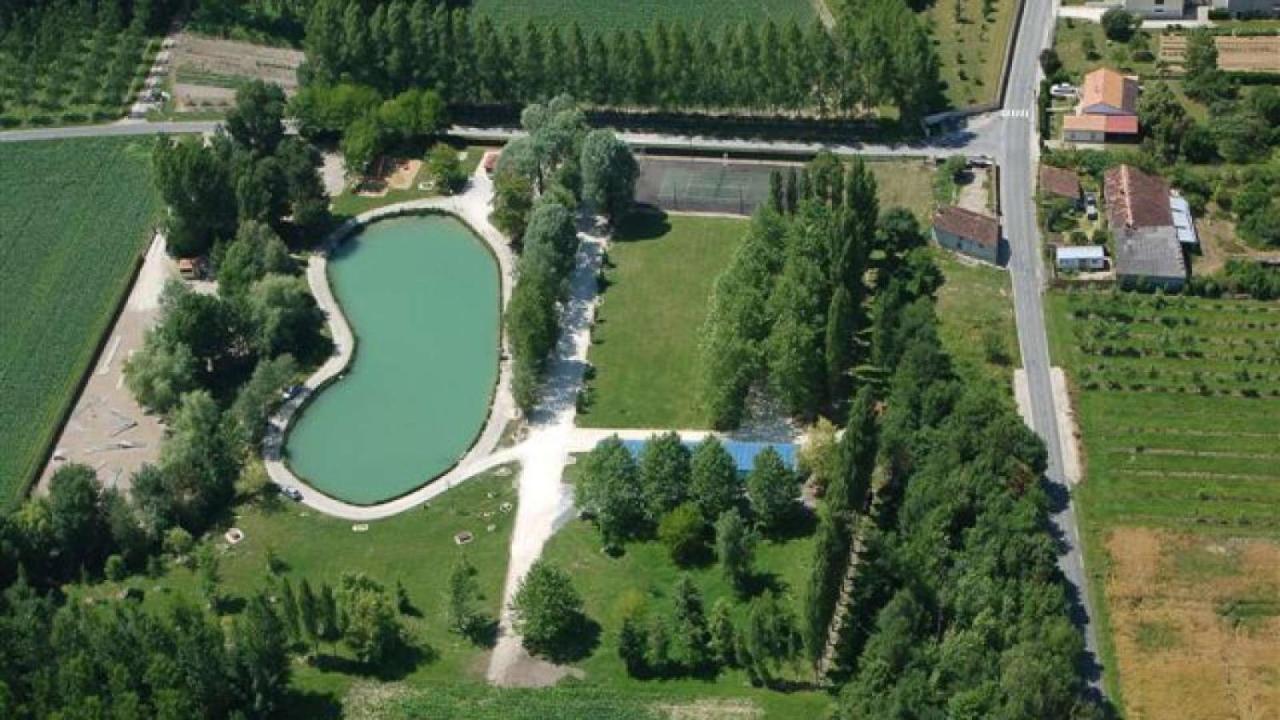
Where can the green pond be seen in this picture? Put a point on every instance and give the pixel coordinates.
(421, 295)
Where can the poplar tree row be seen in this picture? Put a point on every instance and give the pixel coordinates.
(878, 55)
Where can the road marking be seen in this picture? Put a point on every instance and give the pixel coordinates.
(1015, 114)
(106, 359)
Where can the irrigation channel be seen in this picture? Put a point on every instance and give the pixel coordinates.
(422, 295)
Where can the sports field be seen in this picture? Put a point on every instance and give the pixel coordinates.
(645, 343)
(1177, 400)
(74, 219)
(682, 184)
(623, 15)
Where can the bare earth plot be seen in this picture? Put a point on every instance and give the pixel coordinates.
(1196, 622)
(1248, 54)
(207, 71)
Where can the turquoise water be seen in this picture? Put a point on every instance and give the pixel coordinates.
(421, 295)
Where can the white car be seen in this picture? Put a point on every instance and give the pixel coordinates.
(292, 493)
(1063, 90)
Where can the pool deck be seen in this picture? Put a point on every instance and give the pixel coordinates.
(472, 207)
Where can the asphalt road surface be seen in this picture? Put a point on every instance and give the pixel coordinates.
(1018, 160)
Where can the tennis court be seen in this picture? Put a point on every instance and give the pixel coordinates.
(721, 186)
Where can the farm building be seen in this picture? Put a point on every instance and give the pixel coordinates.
(743, 453)
(968, 232)
(1108, 109)
(1140, 216)
(1081, 257)
(1060, 182)
(1248, 8)
(1166, 9)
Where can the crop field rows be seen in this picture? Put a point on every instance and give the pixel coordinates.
(1178, 399)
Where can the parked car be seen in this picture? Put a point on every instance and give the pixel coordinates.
(292, 493)
(1063, 90)
(1091, 206)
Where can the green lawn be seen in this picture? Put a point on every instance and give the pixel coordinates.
(975, 307)
(1173, 436)
(970, 47)
(645, 341)
(74, 220)
(616, 14)
(645, 575)
(351, 204)
(415, 547)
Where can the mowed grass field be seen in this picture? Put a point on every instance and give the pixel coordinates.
(1177, 400)
(975, 309)
(622, 15)
(643, 578)
(644, 346)
(75, 216)
(415, 547)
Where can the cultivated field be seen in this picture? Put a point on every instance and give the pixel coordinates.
(645, 343)
(74, 220)
(1177, 400)
(207, 71)
(1249, 54)
(616, 14)
(1196, 621)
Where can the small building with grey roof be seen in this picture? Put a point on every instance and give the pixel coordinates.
(1150, 256)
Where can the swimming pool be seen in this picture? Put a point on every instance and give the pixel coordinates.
(422, 295)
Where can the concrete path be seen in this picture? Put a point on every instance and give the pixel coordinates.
(545, 501)
(472, 206)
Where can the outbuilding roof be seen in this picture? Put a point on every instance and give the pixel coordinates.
(982, 229)
(1105, 86)
(1059, 181)
(1135, 199)
(1109, 124)
(1151, 252)
(1183, 221)
(1081, 252)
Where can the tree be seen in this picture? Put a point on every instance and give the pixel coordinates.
(683, 532)
(690, 622)
(159, 373)
(260, 658)
(817, 457)
(664, 473)
(286, 317)
(736, 547)
(255, 252)
(196, 185)
(1050, 63)
(607, 487)
(413, 113)
(1119, 25)
(256, 120)
(773, 490)
(547, 610)
(1165, 121)
(196, 471)
(308, 612)
(258, 398)
(714, 484)
(75, 517)
(769, 638)
(609, 173)
(512, 202)
(372, 627)
(633, 646)
(446, 170)
(723, 634)
(464, 591)
(362, 143)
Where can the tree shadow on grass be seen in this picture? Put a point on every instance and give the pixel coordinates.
(307, 705)
(646, 222)
(396, 666)
(579, 642)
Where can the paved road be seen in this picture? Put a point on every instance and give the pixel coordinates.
(1018, 160)
(123, 128)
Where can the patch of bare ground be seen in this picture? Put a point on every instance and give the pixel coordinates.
(1196, 621)
(712, 710)
(1219, 243)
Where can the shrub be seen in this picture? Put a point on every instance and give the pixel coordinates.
(683, 531)
(115, 569)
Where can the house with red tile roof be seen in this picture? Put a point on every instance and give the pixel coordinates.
(1108, 109)
(968, 232)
